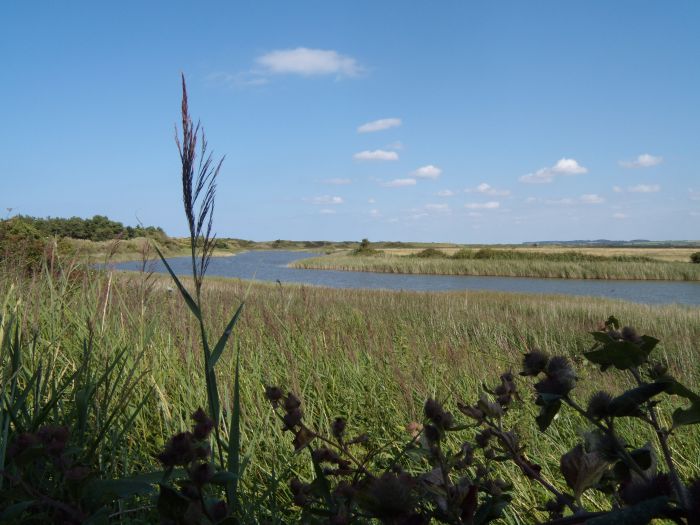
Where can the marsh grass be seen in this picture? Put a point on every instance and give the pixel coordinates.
(371, 356)
(556, 267)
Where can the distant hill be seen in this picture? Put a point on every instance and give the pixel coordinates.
(634, 243)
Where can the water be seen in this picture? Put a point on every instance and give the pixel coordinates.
(272, 266)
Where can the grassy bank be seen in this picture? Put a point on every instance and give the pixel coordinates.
(600, 268)
(371, 356)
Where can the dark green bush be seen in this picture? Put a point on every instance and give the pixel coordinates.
(695, 258)
(431, 253)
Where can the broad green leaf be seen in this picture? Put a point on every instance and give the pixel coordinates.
(14, 512)
(183, 291)
(620, 354)
(105, 490)
(687, 416)
(582, 470)
(628, 403)
(221, 344)
(639, 514)
(547, 413)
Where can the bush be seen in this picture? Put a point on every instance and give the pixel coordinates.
(695, 258)
(431, 253)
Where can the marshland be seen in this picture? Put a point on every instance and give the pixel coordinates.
(429, 264)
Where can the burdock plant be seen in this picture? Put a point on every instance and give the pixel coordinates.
(199, 175)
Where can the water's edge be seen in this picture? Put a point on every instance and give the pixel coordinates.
(273, 266)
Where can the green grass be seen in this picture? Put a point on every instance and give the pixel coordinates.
(373, 356)
(522, 265)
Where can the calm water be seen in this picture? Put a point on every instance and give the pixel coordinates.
(272, 266)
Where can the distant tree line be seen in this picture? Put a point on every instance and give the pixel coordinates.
(97, 228)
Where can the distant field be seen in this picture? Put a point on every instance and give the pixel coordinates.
(614, 263)
(661, 254)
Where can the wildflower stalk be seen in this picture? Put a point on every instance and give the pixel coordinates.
(662, 435)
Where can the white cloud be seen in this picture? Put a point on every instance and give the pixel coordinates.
(475, 214)
(326, 199)
(398, 183)
(530, 200)
(491, 205)
(592, 198)
(694, 195)
(445, 193)
(379, 125)
(308, 62)
(427, 172)
(617, 189)
(563, 166)
(619, 216)
(642, 161)
(337, 181)
(644, 188)
(375, 213)
(326, 211)
(377, 154)
(397, 144)
(487, 189)
(371, 200)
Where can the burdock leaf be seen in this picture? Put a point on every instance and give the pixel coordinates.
(221, 344)
(547, 412)
(620, 354)
(628, 403)
(687, 416)
(582, 470)
(183, 291)
(639, 514)
(171, 504)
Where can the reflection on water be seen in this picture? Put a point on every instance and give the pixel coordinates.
(272, 266)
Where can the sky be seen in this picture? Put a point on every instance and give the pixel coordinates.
(450, 121)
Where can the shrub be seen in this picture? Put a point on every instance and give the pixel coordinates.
(695, 258)
(431, 253)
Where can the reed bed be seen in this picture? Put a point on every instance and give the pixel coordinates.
(599, 269)
(371, 356)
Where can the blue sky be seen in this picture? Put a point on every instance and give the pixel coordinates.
(428, 121)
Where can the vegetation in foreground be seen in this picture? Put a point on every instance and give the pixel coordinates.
(508, 263)
(101, 373)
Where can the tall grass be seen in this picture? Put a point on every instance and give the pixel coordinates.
(514, 267)
(372, 356)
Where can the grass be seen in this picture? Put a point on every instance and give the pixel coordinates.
(372, 356)
(511, 263)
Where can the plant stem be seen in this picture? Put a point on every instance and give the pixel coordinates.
(662, 435)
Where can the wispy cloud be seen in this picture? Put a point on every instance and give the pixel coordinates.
(337, 181)
(644, 188)
(441, 208)
(379, 125)
(326, 211)
(308, 62)
(427, 172)
(619, 215)
(592, 198)
(326, 199)
(487, 189)
(445, 193)
(491, 205)
(375, 213)
(642, 161)
(397, 144)
(377, 154)
(398, 183)
(694, 194)
(563, 166)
